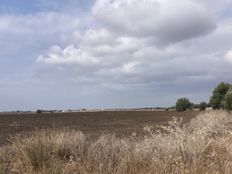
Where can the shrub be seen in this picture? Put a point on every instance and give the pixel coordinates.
(42, 149)
(196, 106)
(39, 111)
(182, 104)
(218, 95)
(203, 106)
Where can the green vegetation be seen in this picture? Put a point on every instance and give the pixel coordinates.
(203, 106)
(228, 100)
(220, 99)
(39, 111)
(218, 96)
(183, 104)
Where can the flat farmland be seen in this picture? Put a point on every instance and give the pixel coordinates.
(120, 123)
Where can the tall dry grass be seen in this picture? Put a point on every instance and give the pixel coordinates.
(202, 146)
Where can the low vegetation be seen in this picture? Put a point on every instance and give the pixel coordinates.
(203, 106)
(220, 99)
(217, 100)
(228, 100)
(202, 146)
(183, 104)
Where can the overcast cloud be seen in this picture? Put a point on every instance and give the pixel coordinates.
(112, 53)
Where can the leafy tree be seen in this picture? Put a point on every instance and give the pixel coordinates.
(228, 100)
(182, 104)
(218, 95)
(203, 106)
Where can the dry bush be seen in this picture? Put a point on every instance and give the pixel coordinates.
(202, 146)
(46, 150)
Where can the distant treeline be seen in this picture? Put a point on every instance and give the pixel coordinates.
(221, 99)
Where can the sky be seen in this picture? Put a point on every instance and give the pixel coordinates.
(72, 54)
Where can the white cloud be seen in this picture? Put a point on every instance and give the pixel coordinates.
(216, 6)
(25, 36)
(95, 37)
(228, 56)
(127, 61)
(130, 67)
(68, 56)
(102, 46)
(163, 20)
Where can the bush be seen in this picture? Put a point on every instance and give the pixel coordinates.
(39, 111)
(203, 106)
(182, 104)
(218, 95)
(196, 106)
(47, 149)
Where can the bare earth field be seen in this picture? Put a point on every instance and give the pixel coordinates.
(121, 123)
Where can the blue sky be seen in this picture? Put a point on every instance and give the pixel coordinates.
(59, 54)
(35, 6)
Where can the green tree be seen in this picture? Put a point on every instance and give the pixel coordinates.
(218, 95)
(228, 100)
(203, 106)
(182, 104)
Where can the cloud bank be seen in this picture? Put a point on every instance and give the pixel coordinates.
(138, 42)
(164, 21)
(124, 52)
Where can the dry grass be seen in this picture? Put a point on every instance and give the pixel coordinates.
(202, 146)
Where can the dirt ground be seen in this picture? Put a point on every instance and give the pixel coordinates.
(121, 123)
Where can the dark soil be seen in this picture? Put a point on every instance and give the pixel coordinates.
(121, 123)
